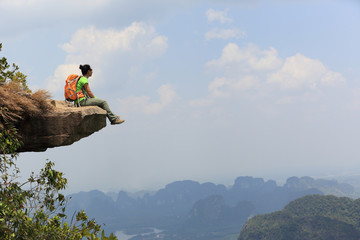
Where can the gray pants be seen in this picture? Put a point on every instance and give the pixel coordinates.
(100, 103)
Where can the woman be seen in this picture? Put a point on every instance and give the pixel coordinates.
(90, 99)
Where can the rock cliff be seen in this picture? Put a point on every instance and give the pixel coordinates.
(64, 125)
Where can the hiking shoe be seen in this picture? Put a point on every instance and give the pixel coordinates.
(117, 121)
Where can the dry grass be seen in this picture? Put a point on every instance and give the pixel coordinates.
(16, 104)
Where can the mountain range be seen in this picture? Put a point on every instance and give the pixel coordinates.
(192, 210)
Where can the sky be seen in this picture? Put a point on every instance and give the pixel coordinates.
(210, 89)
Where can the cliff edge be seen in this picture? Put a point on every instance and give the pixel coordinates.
(62, 126)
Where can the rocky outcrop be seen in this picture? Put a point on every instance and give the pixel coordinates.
(64, 125)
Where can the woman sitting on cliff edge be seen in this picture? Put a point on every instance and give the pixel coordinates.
(90, 99)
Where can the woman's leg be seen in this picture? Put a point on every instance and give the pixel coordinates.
(100, 103)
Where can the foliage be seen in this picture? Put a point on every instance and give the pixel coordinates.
(35, 208)
(309, 217)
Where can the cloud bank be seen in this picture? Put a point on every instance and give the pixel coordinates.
(253, 68)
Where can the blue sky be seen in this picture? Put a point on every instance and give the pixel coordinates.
(210, 90)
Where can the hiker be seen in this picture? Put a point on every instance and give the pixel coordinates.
(90, 99)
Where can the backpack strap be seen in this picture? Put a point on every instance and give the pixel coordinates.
(77, 95)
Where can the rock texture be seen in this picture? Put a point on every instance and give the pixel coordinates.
(64, 125)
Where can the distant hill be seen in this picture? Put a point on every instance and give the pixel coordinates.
(194, 211)
(312, 217)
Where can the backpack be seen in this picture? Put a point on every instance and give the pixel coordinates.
(70, 88)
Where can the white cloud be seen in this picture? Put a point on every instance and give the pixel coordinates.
(216, 85)
(239, 69)
(242, 68)
(246, 82)
(216, 33)
(221, 16)
(157, 46)
(301, 72)
(246, 59)
(222, 87)
(95, 46)
(94, 43)
(144, 105)
(167, 94)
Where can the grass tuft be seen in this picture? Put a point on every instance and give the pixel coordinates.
(17, 104)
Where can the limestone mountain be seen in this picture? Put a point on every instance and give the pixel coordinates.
(311, 217)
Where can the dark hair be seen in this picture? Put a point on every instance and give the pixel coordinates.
(85, 68)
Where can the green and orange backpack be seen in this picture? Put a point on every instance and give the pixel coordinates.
(70, 88)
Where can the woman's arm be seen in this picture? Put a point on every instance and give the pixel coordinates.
(88, 90)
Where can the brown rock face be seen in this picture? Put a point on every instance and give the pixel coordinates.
(63, 126)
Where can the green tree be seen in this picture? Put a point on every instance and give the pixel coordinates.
(11, 73)
(35, 208)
